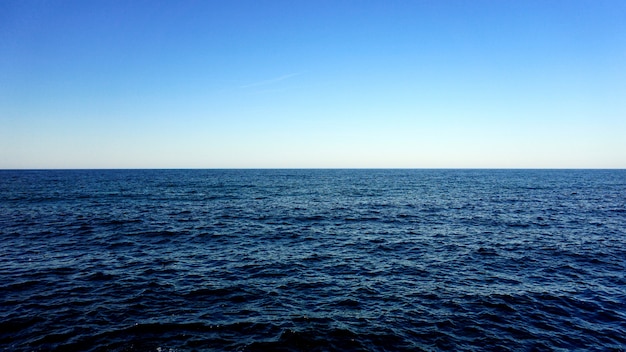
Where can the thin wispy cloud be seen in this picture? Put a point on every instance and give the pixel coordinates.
(271, 81)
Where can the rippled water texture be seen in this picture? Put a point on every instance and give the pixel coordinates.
(312, 260)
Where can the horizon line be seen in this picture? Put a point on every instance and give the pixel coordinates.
(307, 168)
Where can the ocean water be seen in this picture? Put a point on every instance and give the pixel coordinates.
(313, 260)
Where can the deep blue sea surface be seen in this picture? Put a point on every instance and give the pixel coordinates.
(313, 260)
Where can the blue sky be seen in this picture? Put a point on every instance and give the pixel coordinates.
(221, 84)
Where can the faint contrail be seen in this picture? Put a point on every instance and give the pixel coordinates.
(270, 81)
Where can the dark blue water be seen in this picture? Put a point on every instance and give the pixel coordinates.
(313, 260)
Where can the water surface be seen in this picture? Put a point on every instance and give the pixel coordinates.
(312, 260)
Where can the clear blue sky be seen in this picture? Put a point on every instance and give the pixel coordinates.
(211, 84)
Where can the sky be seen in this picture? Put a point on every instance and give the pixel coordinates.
(313, 84)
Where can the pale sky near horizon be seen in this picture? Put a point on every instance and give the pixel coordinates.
(231, 83)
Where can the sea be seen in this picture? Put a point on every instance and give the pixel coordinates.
(313, 260)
